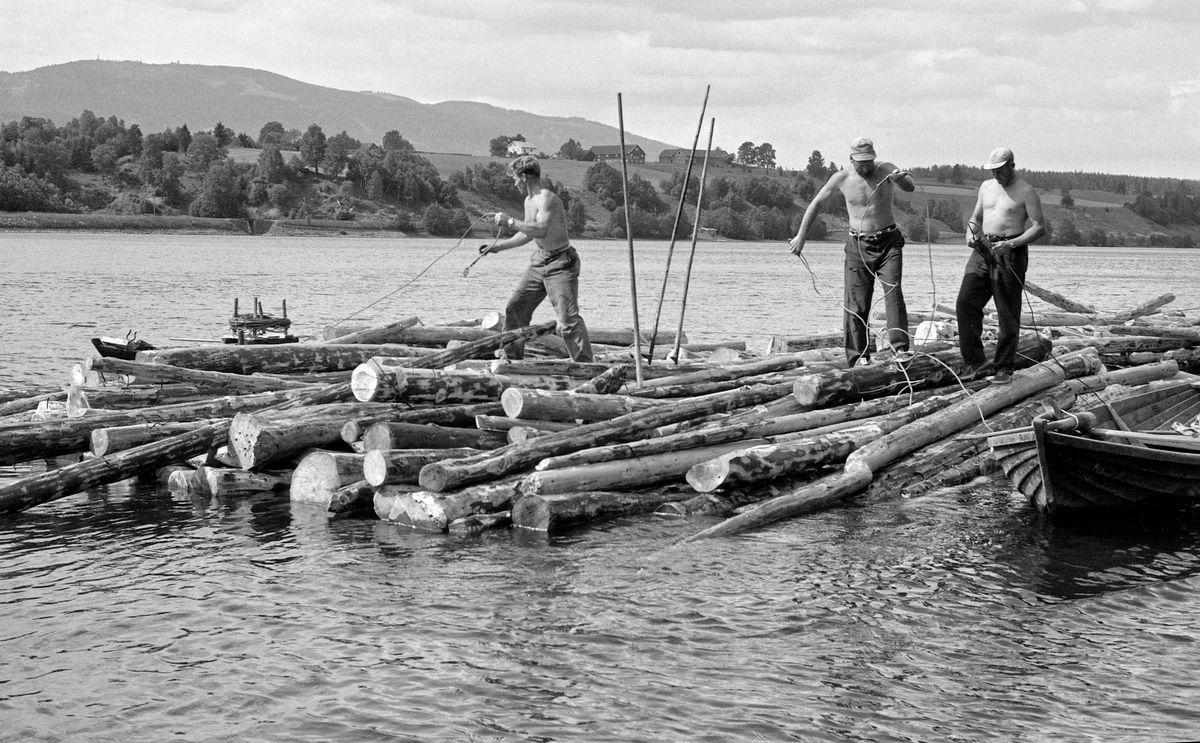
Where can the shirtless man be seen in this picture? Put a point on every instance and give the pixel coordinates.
(553, 268)
(1007, 218)
(872, 250)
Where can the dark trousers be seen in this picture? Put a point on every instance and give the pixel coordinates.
(556, 277)
(983, 280)
(866, 259)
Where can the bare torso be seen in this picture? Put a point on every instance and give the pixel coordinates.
(546, 205)
(869, 199)
(1005, 210)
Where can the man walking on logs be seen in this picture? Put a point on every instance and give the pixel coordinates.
(1007, 218)
(554, 267)
(873, 248)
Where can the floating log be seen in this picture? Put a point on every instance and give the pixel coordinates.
(23, 441)
(442, 476)
(695, 389)
(279, 358)
(521, 434)
(504, 423)
(165, 373)
(550, 513)
(320, 475)
(1191, 335)
(863, 463)
(390, 435)
(400, 466)
(458, 416)
(389, 333)
(182, 480)
(1146, 308)
(436, 511)
(357, 496)
(569, 406)
(1058, 300)
(379, 380)
(238, 482)
(30, 491)
(1121, 344)
(797, 454)
(624, 336)
(582, 370)
(734, 496)
(1132, 376)
(840, 386)
(793, 343)
(258, 439)
(720, 432)
(623, 474)
(728, 372)
(469, 526)
(117, 438)
(606, 382)
(19, 405)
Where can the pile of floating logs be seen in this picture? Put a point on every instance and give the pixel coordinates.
(435, 428)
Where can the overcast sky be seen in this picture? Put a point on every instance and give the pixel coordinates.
(1091, 85)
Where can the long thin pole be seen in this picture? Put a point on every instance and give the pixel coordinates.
(687, 176)
(637, 331)
(687, 279)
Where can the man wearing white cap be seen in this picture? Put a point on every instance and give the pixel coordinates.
(873, 248)
(1007, 218)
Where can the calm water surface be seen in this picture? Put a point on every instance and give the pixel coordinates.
(129, 613)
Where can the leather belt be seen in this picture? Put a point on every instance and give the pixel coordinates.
(873, 235)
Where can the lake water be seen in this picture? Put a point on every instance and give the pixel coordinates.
(130, 613)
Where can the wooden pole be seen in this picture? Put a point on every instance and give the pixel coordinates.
(637, 332)
(662, 293)
(687, 277)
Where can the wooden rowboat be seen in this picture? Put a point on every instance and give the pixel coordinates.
(1132, 451)
(118, 348)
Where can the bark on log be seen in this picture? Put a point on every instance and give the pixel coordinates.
(583, 370)
(280, 358)
(1146, 308)
(794, 343)
(569, 406)
(1058, 300)
(458, 416)
(381, 381)
(552, 513)
(388, 435)
(118, 438)
(841, 386)
(320, 475)
(863, 463)
(1191, 335)
(605, 383)
(469, 526)
(403, 466)
(23, 441)
(695, 389)
(502, 423)
(357, 496)
(728, 372)
(797, 454)
(257, 439)
(1121, 344)
(435, 511)
(165, 373)
(624, 474)
(228, 482)
(759, 427)
(442, 476)
(389, 333)
(41, 488)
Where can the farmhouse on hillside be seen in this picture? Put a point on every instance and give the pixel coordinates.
(680, 155)
(607, 152)
(516, 149)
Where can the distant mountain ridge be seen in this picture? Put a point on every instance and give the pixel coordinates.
(158, 96)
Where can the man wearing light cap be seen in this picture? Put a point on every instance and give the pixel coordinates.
(553, 268)
(1006, 219)
(873, 249)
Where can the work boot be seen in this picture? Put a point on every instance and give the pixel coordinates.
(1003, 376)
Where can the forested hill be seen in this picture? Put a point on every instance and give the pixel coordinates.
(158, 96)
